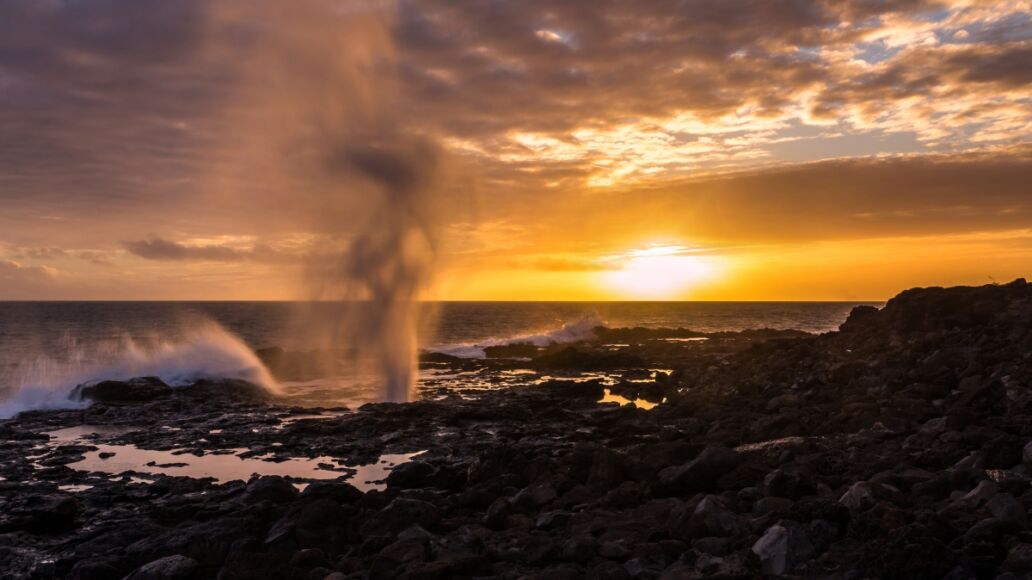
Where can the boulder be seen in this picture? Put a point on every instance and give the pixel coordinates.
(413, 474)
(700, 474)
(133, 390)
(709, 518)
(48, 514)
(270, 488)
(781, 548)
(1019, 559)
(1005, 507)
(403, 513)
(176, 567)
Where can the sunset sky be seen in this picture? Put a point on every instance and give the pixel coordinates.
(595, 149)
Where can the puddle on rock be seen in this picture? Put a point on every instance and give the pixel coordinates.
(288, 419)
(85, 432)
(609, 397)
(221, 465)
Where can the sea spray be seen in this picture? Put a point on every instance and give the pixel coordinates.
(315, 115)
(202, 350)
(576, 331)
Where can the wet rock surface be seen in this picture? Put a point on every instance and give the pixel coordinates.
(897, 447)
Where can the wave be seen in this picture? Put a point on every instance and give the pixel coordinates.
(581, 329)
(204, 351)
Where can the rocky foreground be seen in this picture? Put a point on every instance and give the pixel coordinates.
(897, 447)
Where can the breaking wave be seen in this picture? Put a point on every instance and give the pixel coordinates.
(206, 351)
(582, 329)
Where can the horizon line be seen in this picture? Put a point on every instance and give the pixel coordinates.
(455, 301)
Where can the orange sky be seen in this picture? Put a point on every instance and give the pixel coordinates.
(581, 150)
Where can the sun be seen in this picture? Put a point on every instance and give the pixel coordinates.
(661, 272)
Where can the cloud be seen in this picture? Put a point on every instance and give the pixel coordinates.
(122, 101)
(11, 271)
(95, 257)
(835, 199)
(160, 249)
(577, 117)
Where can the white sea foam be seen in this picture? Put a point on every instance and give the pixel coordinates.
(582, 329)
(204, 351)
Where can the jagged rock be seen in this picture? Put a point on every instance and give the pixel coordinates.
(1019, 559)
(914, 416)
(269, 488)
(168, 568)
(700, 474)
(859, 496)
(1026, 454)
(337, 491)
(496, 514)
(410, 475)
(982, 493)
(403, 513)
(580, 548)
(708, 518)
(94, 569)
(395, 558)
(772, 505)
(1005, 507)
(781, 548)
(138, 389)
(516, 350)
(46, 514)
(789, 482)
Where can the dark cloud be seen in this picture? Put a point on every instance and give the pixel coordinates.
(160, 249)
(843, 199)
(113, 114)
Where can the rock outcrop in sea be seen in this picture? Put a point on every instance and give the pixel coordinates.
(898, 447)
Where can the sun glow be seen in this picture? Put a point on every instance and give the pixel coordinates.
(662, 272)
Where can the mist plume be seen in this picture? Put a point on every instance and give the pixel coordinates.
(314, 115)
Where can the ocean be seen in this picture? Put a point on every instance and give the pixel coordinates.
(46, 348)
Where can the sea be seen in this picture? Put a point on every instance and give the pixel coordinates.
(47, 348)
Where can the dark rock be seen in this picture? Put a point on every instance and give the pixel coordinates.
(95, 569)
(608, 571)
(772, 505)
(713, 546)
(709, 518)
(47, 514)
(403, 513)
(700, 474)
(789, 482)
(1019, 559)
(1006, 508)
(782, 547)
(337, 491)
(168, 568)
(133, 390)
(413, 474)
(269, 488)
(206, 542)
(574, 358)
(580, 548)
(517, 350)
(497, 513)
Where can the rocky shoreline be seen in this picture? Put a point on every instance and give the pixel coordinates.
(897, 447)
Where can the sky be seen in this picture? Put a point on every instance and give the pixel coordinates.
(553, 150)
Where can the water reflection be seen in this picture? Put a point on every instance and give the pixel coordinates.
(609, 397)
(223, 465)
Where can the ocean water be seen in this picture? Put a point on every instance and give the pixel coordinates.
(46, 348)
